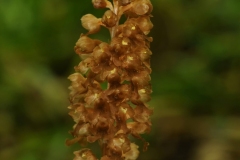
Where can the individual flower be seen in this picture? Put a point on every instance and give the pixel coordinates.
(85, 45)
(78, 114)
(113, 75)
(143, 53)
(120, 45)
(142, 7)
(141, 79)
(131, 62)
(133, 153)
(84, 65)
(99, 4)
(100, 53)
(84, 154)
(91, 23)
(144, 94)
(77, 84)
(117, 146)
(144, 24)
(130, 29)
(109, 18)
(137, 128)
(142, 113)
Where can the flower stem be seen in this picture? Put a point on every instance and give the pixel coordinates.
(115, 11)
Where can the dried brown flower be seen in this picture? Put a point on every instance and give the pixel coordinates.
(109, 115)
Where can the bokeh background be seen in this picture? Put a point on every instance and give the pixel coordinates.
(195, 78)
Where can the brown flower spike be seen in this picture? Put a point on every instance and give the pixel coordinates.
(111, 115)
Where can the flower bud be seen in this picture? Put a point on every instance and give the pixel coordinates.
(85, 45)
(145, 24)
(99, 3)
(109, 18)
(142, 7)
(91, 23)
(84, 154)
(124, 2)
(100, 55)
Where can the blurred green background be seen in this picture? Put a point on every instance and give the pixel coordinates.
(195, 78)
